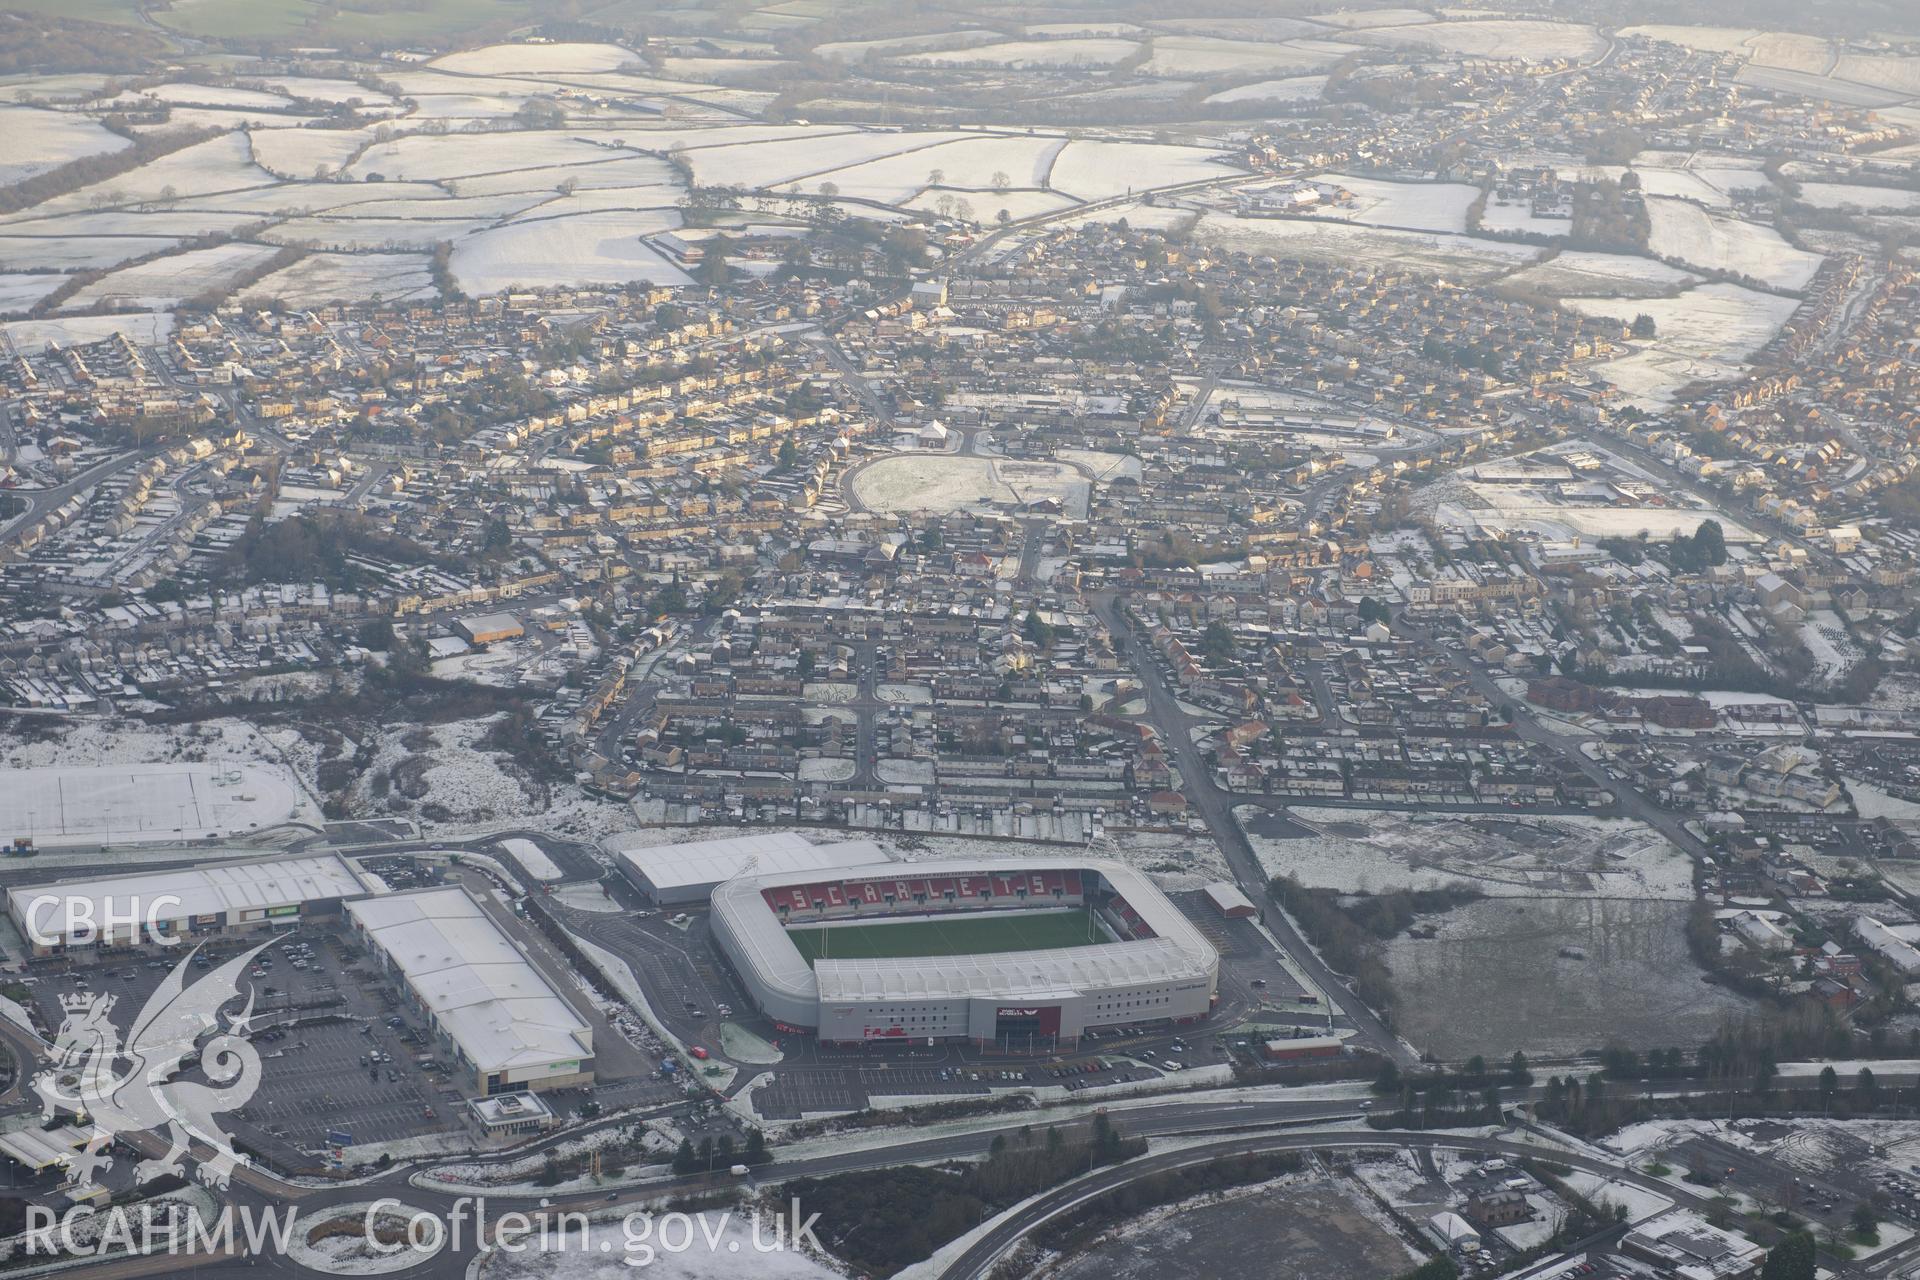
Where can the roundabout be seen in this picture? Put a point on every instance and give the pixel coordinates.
(367, 1238)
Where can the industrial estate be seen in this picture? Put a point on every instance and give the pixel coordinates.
(1057, 640)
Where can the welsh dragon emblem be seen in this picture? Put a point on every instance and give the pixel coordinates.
(145, 1097)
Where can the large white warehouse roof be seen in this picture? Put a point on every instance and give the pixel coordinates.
(483, 992)
(678, 866)
(199, 891)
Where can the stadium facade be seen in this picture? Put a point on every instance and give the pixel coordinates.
(1145, 963)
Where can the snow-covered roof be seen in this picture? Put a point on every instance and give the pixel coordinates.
(479, 986)
(197, 891)
(676, 866)
(1227, 897)
(1176, 951)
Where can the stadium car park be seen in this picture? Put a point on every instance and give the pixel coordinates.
(337, 1051)
(343, 1056)
(693, 987)
(345, 1051)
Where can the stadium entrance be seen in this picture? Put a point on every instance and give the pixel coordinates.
(1027, 1028)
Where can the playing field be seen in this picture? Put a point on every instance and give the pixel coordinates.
(959, 936)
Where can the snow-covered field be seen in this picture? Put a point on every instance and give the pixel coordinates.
(1506, 508)
(829, 770)
(1412, 206)
(533, 59)
(41, 140)
(1896, 74)
(297, 153)
(1702, 178)
(347, 277)
(854, 50)
(145, 327)
(423, 158)
(1820, 67)
(18, 293)
(1707, 39)
(556, 205)
(590, 247)
(219, 164)
(1094, 169)
(1703, 334)
(1210, 56)
(1870, 801)
(948, 482)
(1319, 240)
(1683, 232)
(1290, 89)
(1517, 217)
(76, 253)
(1361, 19)
(1533, 41)
(163, 283)
(1560, 856)
(1845, 92)
(146, 803)
(1555, 974)
(986, 206)
(1091, 52)
(970, 165)
(1601, 275)
(213, 95)
(1840, 195)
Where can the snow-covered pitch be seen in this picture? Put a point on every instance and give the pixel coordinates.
(120, 804)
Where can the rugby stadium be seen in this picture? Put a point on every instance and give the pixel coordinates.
(1020, 953)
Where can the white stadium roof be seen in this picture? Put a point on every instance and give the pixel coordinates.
(481, 989)
(201, 891)
(677, 866)
(1177, 950)
(1024, 975)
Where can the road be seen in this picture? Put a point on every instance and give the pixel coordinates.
(863, 389)
(1215, 807)
(976, 1260)
(1529, 727)
(258, 1192)
(41, 501)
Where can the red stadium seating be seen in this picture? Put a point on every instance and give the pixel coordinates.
(919, 894)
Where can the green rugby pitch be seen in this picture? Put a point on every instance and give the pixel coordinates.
(959, 936)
